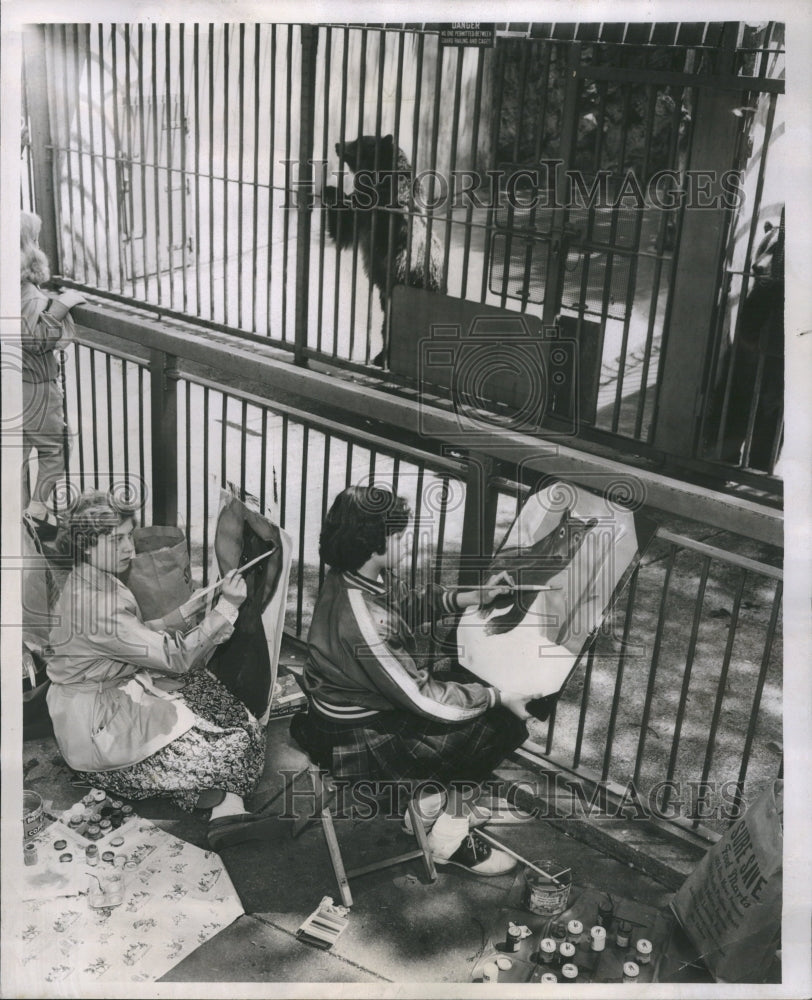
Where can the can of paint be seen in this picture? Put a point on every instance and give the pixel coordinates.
(566, 951)
(98, 795)
(569, 972)
(549, 977)
(30, 853)
(513, 938)
(623, 934)
(92, 855)
(32, 814)
(544, 896)
(547, 949)
(105, 826)
(606, 913)
(630, 972)
(643, 947)
(93, 832)
(598, 935)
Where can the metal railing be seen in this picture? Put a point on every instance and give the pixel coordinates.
(681, 688)
(185, 158)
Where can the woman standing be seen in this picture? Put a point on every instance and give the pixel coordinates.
(133, 708)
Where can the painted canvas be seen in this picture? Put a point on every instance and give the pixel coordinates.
(569, 552)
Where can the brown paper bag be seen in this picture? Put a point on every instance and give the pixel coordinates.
(730, 905)
(159, 576)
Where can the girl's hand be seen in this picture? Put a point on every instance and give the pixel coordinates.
(496, 586)
(234, 589)
(517, 703)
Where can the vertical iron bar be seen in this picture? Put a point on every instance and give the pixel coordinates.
(120, 162)
(302, 519)
(501, 61)
(341, 221)
(721, 687)
(240, 165)
(184, 181)
(94, 418)
(469, 208)
(655, 658)
(223, 441)
(328, 45)
(307, 119)
(284, 472)
(243, 445)
(255, 204)
(125, 420)
(105, 183)
(621, 665)
(325, 482)
(170, 171)
(164, 423)
(271, 188)
(206, 425)
(686, 680)
(108, 371)
(79, 61)
(579, 737)
(226, 118)
(435, 132)
(360, 130)
(142, 155)
(188, 456)
(142, 471)
(263, 459)
(418, 511)
(391, 217)
(196, 75)
(211, 170)
(156, 184)
(762, 676)
(80, 435)
(286, 214)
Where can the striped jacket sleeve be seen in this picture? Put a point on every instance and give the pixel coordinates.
(390, 670)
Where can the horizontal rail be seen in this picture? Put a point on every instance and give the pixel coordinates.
(733, 558)
(543, 454)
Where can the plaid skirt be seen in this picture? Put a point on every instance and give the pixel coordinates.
(402, 746)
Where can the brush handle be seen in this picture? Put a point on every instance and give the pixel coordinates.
(503, 847)
(240, 569)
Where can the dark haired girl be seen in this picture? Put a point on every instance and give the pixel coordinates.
(374, 714)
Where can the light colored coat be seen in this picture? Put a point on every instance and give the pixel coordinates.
(112, 699)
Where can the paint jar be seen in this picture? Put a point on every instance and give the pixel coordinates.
(32, 814)
(566, 951)
(105, 826)
(30, 853)
(598, 936)
(126, 812)
(559, 932)
(513, 938)
(606, 913)
(490, 973)
(92, 855)
(574, 931)
(98, 794)
(549, 977)
(547, 950)
(643, 947)
(93, 832)
(503, 963)
(105, 890)
(630, 972)
(544, 896)
(569, 972)
(623, 934)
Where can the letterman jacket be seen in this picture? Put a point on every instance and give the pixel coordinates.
(361, 653)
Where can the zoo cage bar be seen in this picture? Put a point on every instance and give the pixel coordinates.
(186, 165)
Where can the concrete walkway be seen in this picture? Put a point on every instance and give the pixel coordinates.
(401, 929)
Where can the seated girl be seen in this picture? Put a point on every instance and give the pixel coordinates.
(373, 713)
(134, 709)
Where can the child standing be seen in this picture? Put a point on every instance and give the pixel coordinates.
(46, 321)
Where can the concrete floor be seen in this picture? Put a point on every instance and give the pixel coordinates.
(401, 928)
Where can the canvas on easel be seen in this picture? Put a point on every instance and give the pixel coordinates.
(570, 552)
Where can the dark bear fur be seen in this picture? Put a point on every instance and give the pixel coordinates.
(383, 198)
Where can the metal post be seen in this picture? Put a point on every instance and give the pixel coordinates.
(36, 80)
(164, 414)
(479, 520)
(304, 193)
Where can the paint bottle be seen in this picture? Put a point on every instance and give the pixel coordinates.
(30, 853)
(547, 949)
(566, 952)
(569, 972)
(92, 855)
(513, 938)
(549, 977)
(623, 934)
(574, 931)
(598, 936)
(643, 951)
(630, 972)
(606, 913)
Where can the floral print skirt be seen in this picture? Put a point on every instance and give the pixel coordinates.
(224, 749)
